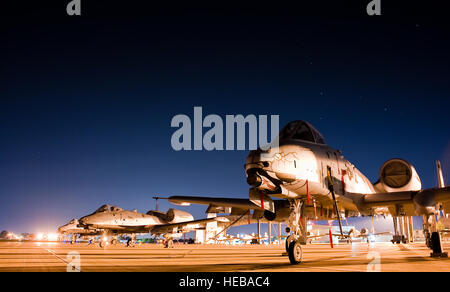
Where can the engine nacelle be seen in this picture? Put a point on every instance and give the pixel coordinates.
(397, 175)
(176, 216)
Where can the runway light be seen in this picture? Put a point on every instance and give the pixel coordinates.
(52, 237)
(39, 236)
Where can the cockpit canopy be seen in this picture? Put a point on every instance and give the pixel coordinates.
(301, 130)
(108, 208)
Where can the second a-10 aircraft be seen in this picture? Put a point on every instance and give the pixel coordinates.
(109, 221)
(313, 181)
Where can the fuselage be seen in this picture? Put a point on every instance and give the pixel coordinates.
(297, 168)
(120, 219)
(294, 163)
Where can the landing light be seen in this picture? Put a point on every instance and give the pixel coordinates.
(52, 237)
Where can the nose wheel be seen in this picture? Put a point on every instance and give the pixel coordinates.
(296, 224)
(295, 252)
(169, 243)
(289, 239)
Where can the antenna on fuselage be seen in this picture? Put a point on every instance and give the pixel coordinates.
(156, 199)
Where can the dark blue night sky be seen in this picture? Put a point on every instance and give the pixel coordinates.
(86, 104)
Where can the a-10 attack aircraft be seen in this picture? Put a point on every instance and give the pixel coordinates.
(111, 220)
(316, 182)
(364, 233)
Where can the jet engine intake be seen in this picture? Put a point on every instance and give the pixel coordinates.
(397, 175)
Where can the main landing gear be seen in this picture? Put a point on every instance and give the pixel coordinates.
(433, 239)
(399, 230)
(103, 243)
(105, 240)
(131, 242)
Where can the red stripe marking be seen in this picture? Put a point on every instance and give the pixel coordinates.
(331, 239)
(307, 192)
(337, 160)
(315, 209)
(262, 201)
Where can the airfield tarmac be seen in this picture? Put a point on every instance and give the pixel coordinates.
(33, 256)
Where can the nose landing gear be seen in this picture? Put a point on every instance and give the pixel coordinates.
(297, 223)
(131, 242)
(168, 241)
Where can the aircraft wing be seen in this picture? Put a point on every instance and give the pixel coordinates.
(321, 235)
(245, 204)
(185, 226)
(230, 205)
(413, 200)
(418, 199)
(383, 199)
(382, 233)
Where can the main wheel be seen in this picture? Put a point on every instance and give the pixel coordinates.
(404, 240)
(130, 242)
(288, 241)
(428, 240)
(436, 243)
(295, 252)
(169, 243)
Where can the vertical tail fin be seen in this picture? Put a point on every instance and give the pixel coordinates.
(440, 177)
